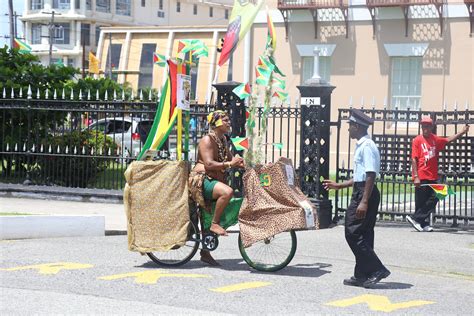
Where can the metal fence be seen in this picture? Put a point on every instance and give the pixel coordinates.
(89, 143)
(393, 132)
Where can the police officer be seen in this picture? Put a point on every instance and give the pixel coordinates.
(362, 212)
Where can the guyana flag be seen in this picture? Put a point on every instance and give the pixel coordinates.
(22, 46)
(240, 143)
(271, 36)
(159, 59)
(242, 91)
(240, 22)
(165, 114)
(441, 190)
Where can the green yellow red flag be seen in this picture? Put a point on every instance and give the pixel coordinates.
(241, 19)
(159, 59)
(242, 91)
(240, 143)
(271, 35)
(441, 190)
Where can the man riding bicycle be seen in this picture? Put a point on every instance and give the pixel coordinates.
(207, 181)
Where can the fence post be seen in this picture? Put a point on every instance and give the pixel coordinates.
(232, 104)
(314, 144)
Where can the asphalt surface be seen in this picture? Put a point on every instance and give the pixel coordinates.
(432, 273)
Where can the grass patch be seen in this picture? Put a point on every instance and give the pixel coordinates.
(13, 214)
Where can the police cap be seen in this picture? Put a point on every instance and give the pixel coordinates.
(357, 116)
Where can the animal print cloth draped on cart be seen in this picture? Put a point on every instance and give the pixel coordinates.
(271, 202)
(157, 210)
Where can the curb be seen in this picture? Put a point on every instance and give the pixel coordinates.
(50, 226)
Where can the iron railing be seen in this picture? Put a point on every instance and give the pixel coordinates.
(393, 132)
(89, 143)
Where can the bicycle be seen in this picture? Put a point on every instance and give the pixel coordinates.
(269, 255)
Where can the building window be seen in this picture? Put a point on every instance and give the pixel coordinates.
(70, 62)
(97, 34)
(88, 4)
(102, 6)
(308, 68)
(178, 6)
(211, 12)
(161, 14)
(78, 4)
(226, 14)
(160, 5)
(35, 33)
(36, 4)
(113, 62)
(195, 9)
(124, 7)
(143, 3)
(405, 85)
(85, 34)
(62, 4)
(62, 33)
(145, 78)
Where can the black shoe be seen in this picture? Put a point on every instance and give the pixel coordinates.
(353, 281)
(376, 277)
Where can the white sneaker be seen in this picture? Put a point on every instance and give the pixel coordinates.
(427, 228)
(415, 224)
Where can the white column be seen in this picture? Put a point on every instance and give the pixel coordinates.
(169, 50)
(212, 68)
(77, 26)
(124, 60)
(247, 62)
(316, 65)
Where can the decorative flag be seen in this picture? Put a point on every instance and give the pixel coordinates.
(93, 64)
(240, 143)
(441, 190)
(262, 75)
(59, 62)
(276, 69)
(264, 62)
(184, 46)
(166, 115)
(241, 19)
(280, 83)
(242, 91)
(281, 95)
(271, 35)
(200, 52)
(159, 60)
(23, 47)
(278, 145)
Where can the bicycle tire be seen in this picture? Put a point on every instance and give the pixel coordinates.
(264, 255)
(180, 255)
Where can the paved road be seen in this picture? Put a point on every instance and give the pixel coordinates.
(432, 273)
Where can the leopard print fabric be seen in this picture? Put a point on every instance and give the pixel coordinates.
(272, 203)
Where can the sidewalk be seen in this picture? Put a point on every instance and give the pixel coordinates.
(114, 213)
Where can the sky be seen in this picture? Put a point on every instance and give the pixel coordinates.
(18, 6)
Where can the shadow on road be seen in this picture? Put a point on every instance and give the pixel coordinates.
(314, 270)
(391, 286)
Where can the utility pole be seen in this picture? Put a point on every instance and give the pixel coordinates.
(51, 28)
(12, 27)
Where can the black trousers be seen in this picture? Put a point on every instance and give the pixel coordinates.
(360, 232)
(425, 203)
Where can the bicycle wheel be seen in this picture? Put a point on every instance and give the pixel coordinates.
(178, 255)
(271, 254)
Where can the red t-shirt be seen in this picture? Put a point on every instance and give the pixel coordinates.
(426, 150)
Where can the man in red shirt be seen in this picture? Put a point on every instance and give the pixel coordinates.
(425, 153)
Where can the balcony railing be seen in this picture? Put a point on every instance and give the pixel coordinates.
(401, 3)
(311, 4)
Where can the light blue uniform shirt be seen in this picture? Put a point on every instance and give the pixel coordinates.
(366, 158)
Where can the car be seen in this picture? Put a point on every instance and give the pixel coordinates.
(128, 133)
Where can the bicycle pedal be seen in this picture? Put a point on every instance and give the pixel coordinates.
(210, 241)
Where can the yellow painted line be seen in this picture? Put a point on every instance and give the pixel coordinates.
(51, 268)
(240, 287)
(378, 303)
(152, 276)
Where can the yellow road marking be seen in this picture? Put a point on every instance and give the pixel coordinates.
(378, 303)
(52, 268)
(240, 287)
(152, 276)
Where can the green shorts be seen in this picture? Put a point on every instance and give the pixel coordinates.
(208, 187)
